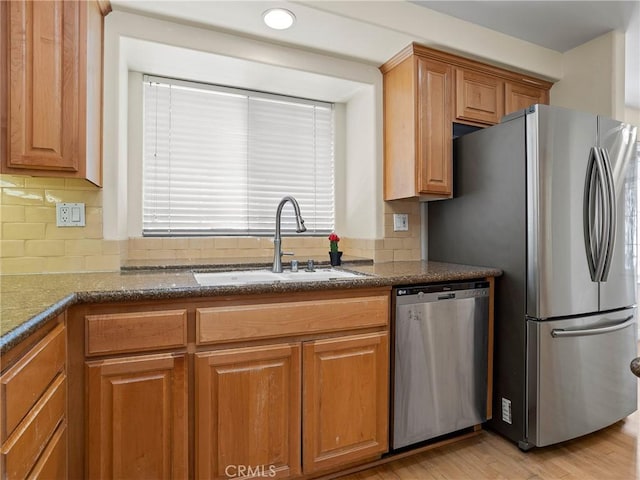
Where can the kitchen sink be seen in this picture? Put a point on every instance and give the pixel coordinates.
(245, 277)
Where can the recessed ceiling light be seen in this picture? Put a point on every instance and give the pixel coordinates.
(278, 18)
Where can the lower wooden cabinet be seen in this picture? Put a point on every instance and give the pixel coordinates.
(248, 412)
(33, 409)
(137, 417)
(278, 387)
(346, 388)
(53, 461)
(249, 403)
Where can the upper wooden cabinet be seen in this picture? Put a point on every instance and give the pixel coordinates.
(52, 88)
(425, 91)
(479, 97)
(434, 116)
(519, 96)
(417, 116)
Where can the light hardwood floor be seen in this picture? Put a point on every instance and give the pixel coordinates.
(611, 453)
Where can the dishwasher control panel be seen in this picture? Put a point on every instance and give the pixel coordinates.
(434, 293)
(449, 287)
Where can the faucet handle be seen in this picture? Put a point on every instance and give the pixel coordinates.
(287, 253)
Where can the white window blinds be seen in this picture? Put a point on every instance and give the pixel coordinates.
(217, 161)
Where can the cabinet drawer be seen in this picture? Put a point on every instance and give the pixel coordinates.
(23, 384)
(24, 446)
(53, 462)
(128, 332)
(225, 324)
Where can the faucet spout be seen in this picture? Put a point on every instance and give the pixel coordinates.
(277, 239)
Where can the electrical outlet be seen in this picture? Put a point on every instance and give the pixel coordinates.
(65, 214)
(70, 215)
(400, 222)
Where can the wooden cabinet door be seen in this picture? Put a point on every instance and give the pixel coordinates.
(479, 97)
(518, 97)
(345, 399)
(435, 80)
(248, 412)
(54, 51)
(4, 80)
(137, 417)
(44, 82)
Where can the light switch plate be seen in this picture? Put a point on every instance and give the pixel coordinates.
(400, 222)
(70, 215)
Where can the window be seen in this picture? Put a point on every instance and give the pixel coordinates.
(217, 160)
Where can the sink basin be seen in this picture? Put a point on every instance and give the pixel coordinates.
(245, 277)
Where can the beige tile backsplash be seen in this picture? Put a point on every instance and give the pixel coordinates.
(30, 242)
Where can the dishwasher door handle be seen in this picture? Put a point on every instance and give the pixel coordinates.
(446, 296)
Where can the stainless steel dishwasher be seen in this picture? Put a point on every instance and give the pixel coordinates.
(440, 360)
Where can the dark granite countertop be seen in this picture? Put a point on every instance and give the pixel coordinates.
(29, 301)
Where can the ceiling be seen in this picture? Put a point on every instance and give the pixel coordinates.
(372, 31)
(558, 25)
(555, 24)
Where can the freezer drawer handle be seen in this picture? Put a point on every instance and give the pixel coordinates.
(560, 332)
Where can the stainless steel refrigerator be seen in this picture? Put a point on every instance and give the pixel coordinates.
(549, 196)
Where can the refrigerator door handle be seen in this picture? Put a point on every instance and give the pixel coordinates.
(594, 214)
(561, 332)
(588, 216)
(611, 208)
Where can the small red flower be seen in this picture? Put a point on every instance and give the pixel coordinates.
(333, 242)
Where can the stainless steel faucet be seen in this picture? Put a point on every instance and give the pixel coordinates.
(277, 240)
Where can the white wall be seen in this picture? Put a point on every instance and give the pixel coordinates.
(593, 77)
(134, 42)
(364, 144)
(134, 154)
(114, 102)
(632, 115)
(632, 62)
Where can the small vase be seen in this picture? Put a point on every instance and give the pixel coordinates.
(335, 258)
